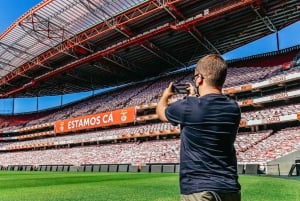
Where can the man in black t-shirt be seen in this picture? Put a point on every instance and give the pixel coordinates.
(209, 124)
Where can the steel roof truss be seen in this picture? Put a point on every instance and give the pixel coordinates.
(104, 68)
(266, 20)
(13, 49)
(138, 12)
(122, 62)
(179, 26)
(89, 4)
(42, 38)
(162, 54)
(45, 27)
(149, 46)
(199, 37)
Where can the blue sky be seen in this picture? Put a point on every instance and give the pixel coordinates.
(11, 10)
(288, 37)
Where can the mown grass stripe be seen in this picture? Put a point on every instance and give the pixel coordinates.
(65, 186)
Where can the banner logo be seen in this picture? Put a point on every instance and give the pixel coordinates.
(115, 117)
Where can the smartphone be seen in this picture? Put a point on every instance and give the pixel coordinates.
(180, 88)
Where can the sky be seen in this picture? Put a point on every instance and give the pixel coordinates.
(11, 10)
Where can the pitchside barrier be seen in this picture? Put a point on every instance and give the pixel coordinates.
(57, 168)
(123, 168)
(241, 169)
(104, 168)
(18, 168)
(250, 169)
(88, 168)
(258, 169)
(113, 168)
(272, 169)
(133, 168)
(145, 168)
(154, 168)
(295, 169)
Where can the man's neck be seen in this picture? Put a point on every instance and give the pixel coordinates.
(210, 90)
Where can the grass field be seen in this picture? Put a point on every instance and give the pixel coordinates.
(50, 186)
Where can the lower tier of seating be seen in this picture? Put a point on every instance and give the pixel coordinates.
(258, 147)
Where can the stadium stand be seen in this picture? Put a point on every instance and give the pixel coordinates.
(269, 130)
(271, 147)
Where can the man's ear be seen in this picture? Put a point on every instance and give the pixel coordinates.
(200, 80)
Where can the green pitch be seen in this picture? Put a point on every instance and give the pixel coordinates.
(62, 186)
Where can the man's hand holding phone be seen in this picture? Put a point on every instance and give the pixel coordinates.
(186, 88)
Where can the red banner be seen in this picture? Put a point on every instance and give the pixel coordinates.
(231, 90)
(115, 117)
(246, 87)
(243, 123)
(246, 102)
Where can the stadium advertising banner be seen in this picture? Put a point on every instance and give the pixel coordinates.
(243, 123)
(245, 102)
(115, 117)
(273, 119)
(236, 89)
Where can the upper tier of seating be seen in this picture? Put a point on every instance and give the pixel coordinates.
(265, 113)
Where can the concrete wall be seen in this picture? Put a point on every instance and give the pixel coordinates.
(285, 163)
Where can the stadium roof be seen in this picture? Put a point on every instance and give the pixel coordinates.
(63, 46)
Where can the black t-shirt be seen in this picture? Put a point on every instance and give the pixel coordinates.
(209, 126)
